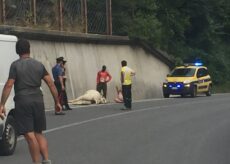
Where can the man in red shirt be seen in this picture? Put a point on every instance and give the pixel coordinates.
(103, 77)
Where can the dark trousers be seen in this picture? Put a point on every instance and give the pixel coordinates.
(127, 95)
(63, 99)
(103, 87)
(58, 87)
(59, 90)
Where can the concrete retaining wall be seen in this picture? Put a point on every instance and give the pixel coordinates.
(84, 60)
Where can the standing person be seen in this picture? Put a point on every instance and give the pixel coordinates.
(103, 77)
(65, 98)
(57, 72)
(26, 75)
(126, 81)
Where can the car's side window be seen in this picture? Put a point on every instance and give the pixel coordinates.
(205, 72)
(198, 73)
(202, 72)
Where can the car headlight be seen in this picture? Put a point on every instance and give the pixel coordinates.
(165, 83)
(187, 85)
(187, 81)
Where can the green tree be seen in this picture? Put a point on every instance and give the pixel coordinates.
(185, 29)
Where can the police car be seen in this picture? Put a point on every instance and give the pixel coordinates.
(189, 79)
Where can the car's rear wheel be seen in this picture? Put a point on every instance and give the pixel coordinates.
(209, 92)
(166, 95)
(194, 91)
(9, 137)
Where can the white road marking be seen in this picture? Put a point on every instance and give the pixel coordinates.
(115, 115)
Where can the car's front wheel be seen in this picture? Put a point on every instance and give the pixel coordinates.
(194, 91)
(9, 137)
(209, 92)
(166, 95)
(182, 95)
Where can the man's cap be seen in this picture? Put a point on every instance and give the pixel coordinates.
(60, 59)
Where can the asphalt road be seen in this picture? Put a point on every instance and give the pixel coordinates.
(160, 131)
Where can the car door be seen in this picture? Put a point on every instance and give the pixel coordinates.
(203, 80)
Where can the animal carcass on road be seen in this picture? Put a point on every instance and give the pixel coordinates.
(90, 97)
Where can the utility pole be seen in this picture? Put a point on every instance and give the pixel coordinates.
(34, 12)
(2, 11)
(84, 13)
(109, 29)
(60, 15)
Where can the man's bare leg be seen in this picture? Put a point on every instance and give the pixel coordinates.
(33, 146)
(43, 145)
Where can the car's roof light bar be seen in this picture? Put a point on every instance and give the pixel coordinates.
(193, 64)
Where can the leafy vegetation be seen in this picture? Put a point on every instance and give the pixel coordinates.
(186, 29)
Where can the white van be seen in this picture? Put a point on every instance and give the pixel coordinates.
(8, 133)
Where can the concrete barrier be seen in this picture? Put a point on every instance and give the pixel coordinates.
(85, 55)
(84, 60)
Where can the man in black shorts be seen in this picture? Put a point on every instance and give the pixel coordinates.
(26, 75)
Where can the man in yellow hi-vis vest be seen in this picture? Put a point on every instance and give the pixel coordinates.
(126, 81)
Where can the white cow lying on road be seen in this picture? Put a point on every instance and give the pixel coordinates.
(90, 97)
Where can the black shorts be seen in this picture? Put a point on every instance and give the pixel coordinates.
(30, 114)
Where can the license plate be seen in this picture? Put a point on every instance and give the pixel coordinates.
(174, 88)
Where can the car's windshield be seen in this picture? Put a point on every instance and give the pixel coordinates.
(183, 72)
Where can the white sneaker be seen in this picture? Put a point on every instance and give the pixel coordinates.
(46, 162)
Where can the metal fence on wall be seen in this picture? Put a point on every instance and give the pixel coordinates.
(96, 16)
(86, 16)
